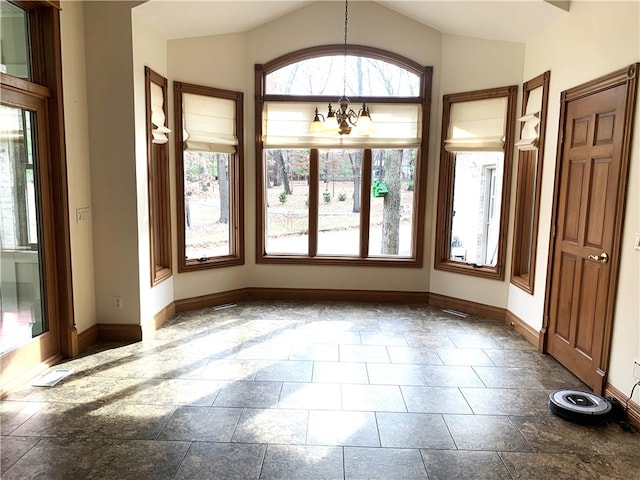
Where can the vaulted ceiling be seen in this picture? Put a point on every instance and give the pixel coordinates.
(515, 20)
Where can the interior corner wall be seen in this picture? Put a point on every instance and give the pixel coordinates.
(238, 53)
(149, 50)
(78, 165)
(186, 63)
(594, 39)
(470, 64)
(109, 64)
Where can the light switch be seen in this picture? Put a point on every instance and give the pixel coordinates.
(637, 242)
(83, 214)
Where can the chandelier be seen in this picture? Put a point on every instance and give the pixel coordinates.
(345, 118)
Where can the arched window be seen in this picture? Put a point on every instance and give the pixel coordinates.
(333, 194)
(324, 75)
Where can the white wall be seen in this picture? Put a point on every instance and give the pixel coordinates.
(597, 38)
(238, 54)
(149, 49)
(473, 64)
(78, 166)
(110, 96)
(199, 61)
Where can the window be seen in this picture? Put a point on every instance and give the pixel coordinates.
(341, 199)
(475, 161)
(209, 169)
(16, 52)
(158, 176)
(535, 99)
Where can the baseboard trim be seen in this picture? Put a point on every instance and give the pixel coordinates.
(321, 295)
(71, 349)
(530, 334)
(119, 332)
(467, 306)
(633, 414)
(211, 300)
(87, 338)
(293, 294)
(152, 324)
(164, 315)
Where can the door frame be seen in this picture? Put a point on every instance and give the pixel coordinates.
(628, 76)
(46, 50)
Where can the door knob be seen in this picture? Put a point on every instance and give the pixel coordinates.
(602, 258)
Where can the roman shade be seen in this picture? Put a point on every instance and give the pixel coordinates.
(286, 125)
(209, 124)
(158, 117)
(529, 134)
(477, 125)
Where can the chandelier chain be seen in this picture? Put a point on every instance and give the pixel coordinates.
(344, 67)
(345, 116)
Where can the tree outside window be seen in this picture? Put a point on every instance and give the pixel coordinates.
(331, 199)
(209, 157)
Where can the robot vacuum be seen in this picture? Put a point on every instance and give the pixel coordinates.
(580, 407)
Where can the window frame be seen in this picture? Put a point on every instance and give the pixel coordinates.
(419, 209)
(527, 207)
(236, 181)
(444, 218)
(158, 187)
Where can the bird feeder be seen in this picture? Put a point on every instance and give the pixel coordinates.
(379, 189)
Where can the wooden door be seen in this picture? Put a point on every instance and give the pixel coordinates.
(589, 203)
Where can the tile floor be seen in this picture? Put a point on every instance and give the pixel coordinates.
(295, 390)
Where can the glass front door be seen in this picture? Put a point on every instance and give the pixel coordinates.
(34, 230)
(22, 316)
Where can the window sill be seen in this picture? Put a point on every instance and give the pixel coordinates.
(216, 262)
(492, 273)
(345, 261)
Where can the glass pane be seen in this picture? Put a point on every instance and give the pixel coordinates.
(14, 41)
(325, 76)
(529, 211)
(207, 194)
(339, 202)
(21, 292)
(287, 201)
(477, 194)
(391, 220)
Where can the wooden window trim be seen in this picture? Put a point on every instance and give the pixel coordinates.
(527, 215)
(445, 190)
(236, 179)
(420, 181)
(158, 186)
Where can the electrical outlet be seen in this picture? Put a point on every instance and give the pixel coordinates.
(636, 369)
(117, 302)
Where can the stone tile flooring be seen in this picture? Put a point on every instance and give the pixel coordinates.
(303, 390)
